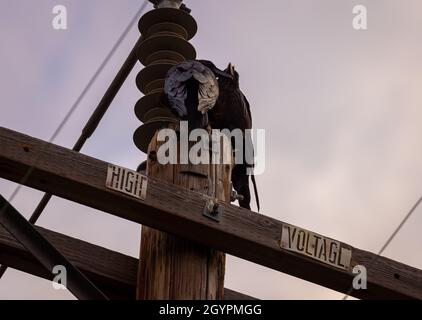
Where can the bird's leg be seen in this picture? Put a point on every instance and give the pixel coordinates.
(245, 201)
(206, 123)
(240, 182)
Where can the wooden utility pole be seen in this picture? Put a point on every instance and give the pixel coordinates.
(173, 268)
(181, 261)
(240, 232)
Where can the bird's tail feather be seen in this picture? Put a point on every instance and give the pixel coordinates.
(255, 189)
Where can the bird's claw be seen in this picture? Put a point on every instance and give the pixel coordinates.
(236, 196)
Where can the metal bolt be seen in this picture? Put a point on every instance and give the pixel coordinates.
(152, 156)
(213, 210)
(212, 207)
(235, 196)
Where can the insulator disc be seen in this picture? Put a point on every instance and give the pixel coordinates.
(171, 15)
(152, 77)
(167, 28)
(152, 45)
(164, 55)
(159, 112)
(152, 100)
(154, 86)
(143, 135)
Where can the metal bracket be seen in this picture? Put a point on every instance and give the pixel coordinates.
(170, 4)
(167, 3)
(213, 210)
(235, 196)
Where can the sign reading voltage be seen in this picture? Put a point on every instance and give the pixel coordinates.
(127, 181)
(315, 246)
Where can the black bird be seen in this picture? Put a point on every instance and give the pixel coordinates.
(191, 90)
(202, 94)
(232, 111)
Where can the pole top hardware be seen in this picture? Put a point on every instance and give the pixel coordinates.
(177, 4)
(213, 210)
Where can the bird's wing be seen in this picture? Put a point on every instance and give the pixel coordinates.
(175, 87)
(208, 88)
(247, 108)
(176, 91)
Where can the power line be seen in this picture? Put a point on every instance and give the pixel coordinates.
(393, 235)
(96, 117)
(400, 226)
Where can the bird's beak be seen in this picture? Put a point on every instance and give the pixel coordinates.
(221, 73)
(231, 69)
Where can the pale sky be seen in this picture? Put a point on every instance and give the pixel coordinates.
(341, 109)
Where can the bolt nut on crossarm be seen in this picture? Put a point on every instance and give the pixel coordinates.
(235, 196)
(213, 210)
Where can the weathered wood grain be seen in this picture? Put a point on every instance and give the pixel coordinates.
(114, 273)
(173, 268)
(242, 233)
